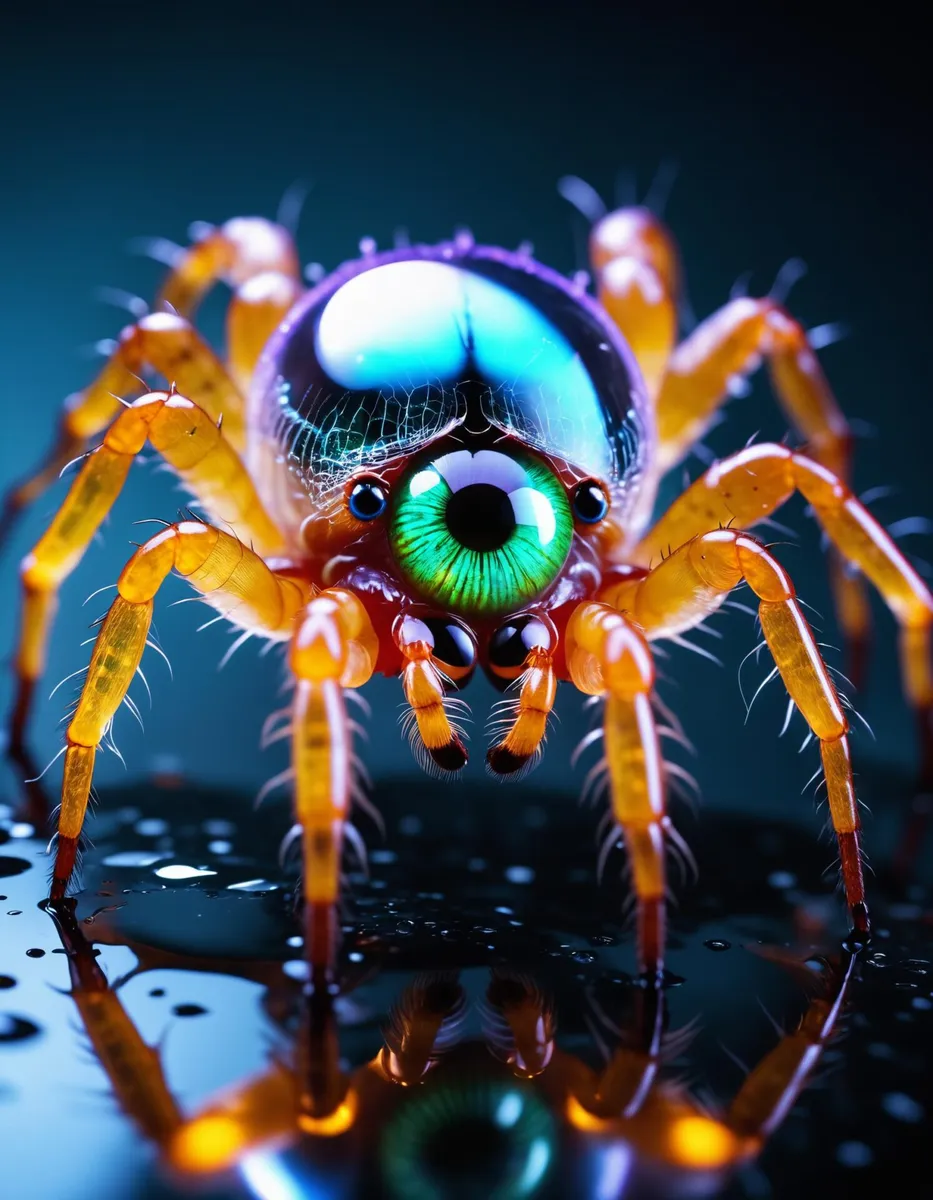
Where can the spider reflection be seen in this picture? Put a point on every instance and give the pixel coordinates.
(439, 1112)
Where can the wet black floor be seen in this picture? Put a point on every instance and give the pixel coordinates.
(185, 900)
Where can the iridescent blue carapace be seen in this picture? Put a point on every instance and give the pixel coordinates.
(395, 350)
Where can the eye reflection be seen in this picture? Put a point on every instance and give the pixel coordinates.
(478, 1137)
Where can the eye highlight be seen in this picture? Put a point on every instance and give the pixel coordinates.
(480, 533)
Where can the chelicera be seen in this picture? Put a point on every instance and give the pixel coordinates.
(447, 457)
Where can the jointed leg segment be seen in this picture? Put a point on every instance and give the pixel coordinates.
(235, 252)
(334, 647)
(750, 486)
(607, 655)
(190, 441)
(236, 581)
(729, 344)
(691, 583)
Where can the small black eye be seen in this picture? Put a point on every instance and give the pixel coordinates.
(454, 648)
(510, 644)
(367, 499)
(590, 502)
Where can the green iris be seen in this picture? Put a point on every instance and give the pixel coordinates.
(481, 532)
(472, 1137)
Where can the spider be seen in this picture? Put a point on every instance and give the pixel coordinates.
(430, 1090)
(443, 457)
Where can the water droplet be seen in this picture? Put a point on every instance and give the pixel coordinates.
(583, 956)
(35, 953)
(519, 874)
(220, 846)
(180, 871)
(902, 1107)
(189, 1010)
(296, 942)
(16, 1029)
(151, 827)
(854, 1154)
(505, 910)
(602, 939)
(21, 829)
(782, 879)
(218, 828)
(355, 956)
(252, 885)
(15, 912)
(717, 944)
(7, 981)
(405, 927)
(382, 856)
(922, 1002)
(296, 968)
(157, 992)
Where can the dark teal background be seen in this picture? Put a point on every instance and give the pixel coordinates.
(793, 138)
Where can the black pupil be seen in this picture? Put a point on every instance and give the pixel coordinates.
(367, 500)
(589, 502)
(470, 1157)
(480, 517)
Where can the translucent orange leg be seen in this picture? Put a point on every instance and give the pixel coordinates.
(729, 344)
(133, 1068)
(424, 691)
(637, 273)
(608, 656)
(233, 578)
(234, 252)
(773, 1086)
(691, 583)
(256, 309)
(626, 1082)
(334, 647)
(750, 485)
(189, 440)
(170, 345)
(214, 1139)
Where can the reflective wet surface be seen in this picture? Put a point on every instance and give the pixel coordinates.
(480, 905)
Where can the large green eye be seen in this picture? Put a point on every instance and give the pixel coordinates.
(480, 533)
